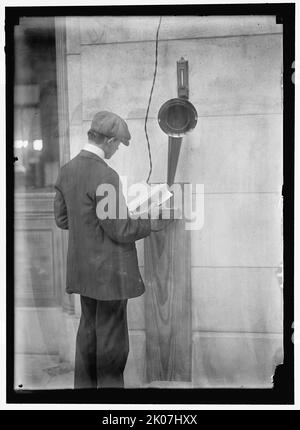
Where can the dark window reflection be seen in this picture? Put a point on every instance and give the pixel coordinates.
(36, 116)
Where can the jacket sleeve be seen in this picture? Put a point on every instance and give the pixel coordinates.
(60, 208)
(117, 223)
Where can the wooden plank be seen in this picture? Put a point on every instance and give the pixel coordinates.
(168, 304)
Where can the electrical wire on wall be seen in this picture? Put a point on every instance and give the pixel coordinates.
(149, 102)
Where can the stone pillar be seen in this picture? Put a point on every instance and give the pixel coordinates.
(68, 320)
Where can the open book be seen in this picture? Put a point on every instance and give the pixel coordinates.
(149, 196)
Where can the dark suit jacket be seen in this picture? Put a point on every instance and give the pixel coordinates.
(102, 260)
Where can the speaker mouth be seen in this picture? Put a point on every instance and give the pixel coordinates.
(177, 117)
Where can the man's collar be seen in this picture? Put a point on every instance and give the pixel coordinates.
(94, 149)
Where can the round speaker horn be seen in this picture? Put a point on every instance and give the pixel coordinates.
(177, 117)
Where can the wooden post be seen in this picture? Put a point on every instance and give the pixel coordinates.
(168, 304)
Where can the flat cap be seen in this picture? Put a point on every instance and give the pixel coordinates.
(111, 125)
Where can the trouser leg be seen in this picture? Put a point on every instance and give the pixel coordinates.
(85, 356)
(112, 342)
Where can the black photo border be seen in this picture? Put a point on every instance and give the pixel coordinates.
(283, 389)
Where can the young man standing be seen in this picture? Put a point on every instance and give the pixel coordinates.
(102, 263)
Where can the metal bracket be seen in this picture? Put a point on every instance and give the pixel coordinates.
(183, 78)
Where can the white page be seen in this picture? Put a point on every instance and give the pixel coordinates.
(155, 194)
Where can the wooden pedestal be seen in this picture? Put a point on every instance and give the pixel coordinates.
(168, 304)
